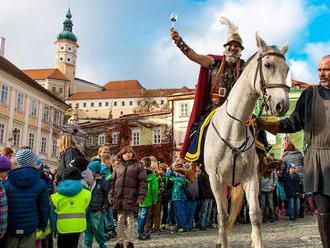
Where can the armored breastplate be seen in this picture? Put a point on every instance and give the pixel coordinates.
(220, 90)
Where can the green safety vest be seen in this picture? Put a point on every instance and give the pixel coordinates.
(71, 211)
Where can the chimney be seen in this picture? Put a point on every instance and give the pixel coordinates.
(2, 48)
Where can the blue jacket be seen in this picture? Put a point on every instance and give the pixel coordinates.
(28, 201)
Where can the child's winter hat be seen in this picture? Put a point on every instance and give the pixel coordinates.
(26, 157)
(5, 164)
(72, 173)
(80, 162)
(95, 166)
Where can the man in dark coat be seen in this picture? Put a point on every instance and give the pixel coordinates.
(312, 114)
(217, 76)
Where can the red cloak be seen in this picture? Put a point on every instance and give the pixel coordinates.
(202, 96)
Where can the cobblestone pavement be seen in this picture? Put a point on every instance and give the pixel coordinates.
(302, 233)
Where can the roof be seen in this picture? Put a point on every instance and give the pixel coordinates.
(131, 117)
(111, 94)
(123, 85)
(87, 82)
(299, 84)
(38, 74)
(12, 70)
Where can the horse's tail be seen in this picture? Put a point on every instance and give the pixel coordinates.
(237, 196)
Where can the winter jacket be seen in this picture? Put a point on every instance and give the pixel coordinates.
(293, 185)
(129, 185)
(178, 192)
(100, 193)
(293, 157)
(204, 187)
(66, 188)
(28, 201)
(88, 180)
(269, 182)
(152, 192)
(65, 159)
(3, 210)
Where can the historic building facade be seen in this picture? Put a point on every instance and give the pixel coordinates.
(29, 114)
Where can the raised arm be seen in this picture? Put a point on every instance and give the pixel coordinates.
(203, 60)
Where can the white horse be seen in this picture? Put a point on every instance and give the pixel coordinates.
(230, 157)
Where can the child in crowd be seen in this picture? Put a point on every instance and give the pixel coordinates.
(178, 199)
(97, 208)
(268, 185)
(70, 204)
(4, 168)
(128, 189)
(293, 190)
(150, 199)
(28, 201)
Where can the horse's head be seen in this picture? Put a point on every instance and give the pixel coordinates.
(270, 77)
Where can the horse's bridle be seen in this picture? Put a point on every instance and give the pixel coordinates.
(265, 100)
(263, 85)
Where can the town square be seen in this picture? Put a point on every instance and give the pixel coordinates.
(191, 123)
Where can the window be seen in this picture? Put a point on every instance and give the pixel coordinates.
(136, 137)
(139, 102)
(68, 59)
(43, 145)
(121, 112)
(17, 137)
(60, 90)
(130, 103)
(84, 104)
(2, 132)
(61, 58)
(89, 141)
(157, 136)
(45, 114)
(4, 94)
(54, 148)
(101, 139)
(182, 135)
(31, 140)
(100, 104)
(34, 108)
(161, 102)
(62, 48)
(77, 105)
(184, 109)
(92, 104)
(69, 48)
(122, 103)
(115, 138)
(106, 104)
(114, 103)
(54, 89)
(19, 102)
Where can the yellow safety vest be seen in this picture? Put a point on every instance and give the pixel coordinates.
(42, 234)
(71, 211)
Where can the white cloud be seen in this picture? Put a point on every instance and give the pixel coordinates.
(302, 71)
(315, 51)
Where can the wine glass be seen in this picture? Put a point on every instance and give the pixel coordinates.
(173, 19)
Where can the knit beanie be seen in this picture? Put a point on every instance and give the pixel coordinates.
(26, 157)
(72, 173)
(80, 162)
(95, 166)
(5, 164)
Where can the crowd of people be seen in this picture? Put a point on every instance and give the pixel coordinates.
(116, 196)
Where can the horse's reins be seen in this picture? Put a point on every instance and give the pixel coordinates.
(265, 100)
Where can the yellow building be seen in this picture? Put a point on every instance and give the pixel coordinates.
(29, 114)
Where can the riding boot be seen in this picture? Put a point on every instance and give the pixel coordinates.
(324, 228)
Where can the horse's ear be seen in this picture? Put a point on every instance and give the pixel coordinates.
(284, 48)
(261, 44)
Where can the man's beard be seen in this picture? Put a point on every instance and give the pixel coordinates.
(325, 84)
(232, 57)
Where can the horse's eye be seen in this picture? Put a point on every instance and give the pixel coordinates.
(268, 65)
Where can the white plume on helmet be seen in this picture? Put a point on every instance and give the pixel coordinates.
(232, 28)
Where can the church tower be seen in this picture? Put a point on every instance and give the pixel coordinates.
(66, 52)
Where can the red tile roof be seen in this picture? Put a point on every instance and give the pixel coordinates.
(123, 85)
(38, 74)
(109, 94)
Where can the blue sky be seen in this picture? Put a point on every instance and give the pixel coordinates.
(127, 39)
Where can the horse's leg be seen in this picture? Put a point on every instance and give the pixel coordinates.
(218, 191)
(251, 189)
